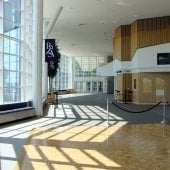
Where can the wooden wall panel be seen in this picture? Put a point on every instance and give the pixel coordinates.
(135, 91)
(139, 96)
(121, 43)
(119, 95)
(164, 26)
(142, 33)
(124, 82)
(117, 43)
(125, 42)
(134, 42)
(127, 81)
(167, 28)
(153, 31)
(120, 83)
(114, 49)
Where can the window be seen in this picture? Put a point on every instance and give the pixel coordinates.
(11, 13)
(63, 79)
(12, 30)
(86, 66)
(16, 50)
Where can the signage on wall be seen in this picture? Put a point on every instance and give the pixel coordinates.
(50, 53)
(163, 58)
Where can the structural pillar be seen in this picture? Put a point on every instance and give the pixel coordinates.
(37, 56)
(45, 65)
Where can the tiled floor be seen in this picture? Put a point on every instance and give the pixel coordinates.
(97, 147)
(75, 135)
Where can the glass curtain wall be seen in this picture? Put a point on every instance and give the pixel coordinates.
(86, 66)
(11, 50)
(63, 79)
(85, 78)
(15, 50)
(27, 53)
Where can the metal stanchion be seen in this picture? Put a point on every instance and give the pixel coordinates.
(107, 112)
(164, 116)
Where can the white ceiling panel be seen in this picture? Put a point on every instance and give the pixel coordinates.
(86, 27)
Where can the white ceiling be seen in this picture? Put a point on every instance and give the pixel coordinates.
(86, 27)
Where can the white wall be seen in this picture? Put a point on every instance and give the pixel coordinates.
(144, 60)
(105, 70)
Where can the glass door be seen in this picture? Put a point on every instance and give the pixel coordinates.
(94, 86)
(100, 87)
(88, 87)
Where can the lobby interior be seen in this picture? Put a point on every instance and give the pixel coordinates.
(107, 49)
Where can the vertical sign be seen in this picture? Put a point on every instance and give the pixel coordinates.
(50, 53)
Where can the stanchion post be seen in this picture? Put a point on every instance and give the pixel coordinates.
(107, 112)
(163, 114)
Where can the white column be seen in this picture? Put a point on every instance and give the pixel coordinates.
(37, 56)
(45, 65)
(45, 77)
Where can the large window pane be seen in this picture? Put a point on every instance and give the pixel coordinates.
(14, 47)
(11, 14)
(13, 63)
(6, 62)
(11, 95)
(8, 12)
(15, 3)
(13, 79)
(6, 45)
(6, 78)
(11, 48)
(12, 30)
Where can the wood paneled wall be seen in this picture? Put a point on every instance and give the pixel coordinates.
(141, 33)
(124, 82)
(117, 44)
(153, 31)
(133, 38)
(139, 96)
(121, 43)
(125, 42)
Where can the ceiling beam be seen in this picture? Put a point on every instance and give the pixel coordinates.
(53, 21)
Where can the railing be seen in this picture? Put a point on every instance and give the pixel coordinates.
(164, 103)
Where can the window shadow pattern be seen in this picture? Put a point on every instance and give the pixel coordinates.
(84, 141)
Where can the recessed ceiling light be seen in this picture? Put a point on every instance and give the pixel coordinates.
(136, 15)
(115, 21)
(82, 24)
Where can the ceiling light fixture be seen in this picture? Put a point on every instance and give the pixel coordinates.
(136, 16)
(115, 21)
(82, 24)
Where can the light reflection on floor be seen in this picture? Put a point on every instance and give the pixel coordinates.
(97, 147)
(75, 136)
(71, 111)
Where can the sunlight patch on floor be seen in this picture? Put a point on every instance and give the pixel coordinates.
(97, 147)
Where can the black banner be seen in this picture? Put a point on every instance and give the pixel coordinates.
(50, 53)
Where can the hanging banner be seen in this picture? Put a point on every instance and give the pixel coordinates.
(50, 50)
